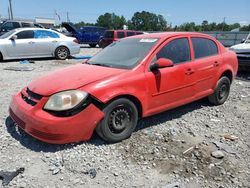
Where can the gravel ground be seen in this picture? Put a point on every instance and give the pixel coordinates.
(196, 145)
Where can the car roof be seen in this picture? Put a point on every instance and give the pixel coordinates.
(124, 30)
(165, 35)
(33, 28)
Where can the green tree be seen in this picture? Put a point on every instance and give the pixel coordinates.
(111, 21)
(146, 21)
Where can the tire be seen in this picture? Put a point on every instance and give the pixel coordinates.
(100, 44)
(221, 92)
(1, 57)
(92, 45)
(62, 53)
(120, 120)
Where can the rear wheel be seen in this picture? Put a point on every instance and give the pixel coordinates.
(62, 53)
(120, 120)
(100, 44)
(1, 57)
(92, 45)
(221, 92)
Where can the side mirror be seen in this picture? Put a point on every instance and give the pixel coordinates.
(14, 37)
(243, 40)
(161, 63)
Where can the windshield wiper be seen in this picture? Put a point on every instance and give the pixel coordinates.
(101, 64)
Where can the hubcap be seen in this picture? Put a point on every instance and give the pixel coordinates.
(62, 53)
(119, 119)
(223, 91)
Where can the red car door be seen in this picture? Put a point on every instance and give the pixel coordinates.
(207, 62)
(171, 86)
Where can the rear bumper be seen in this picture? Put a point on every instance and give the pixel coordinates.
(244, 61)
(74, 50)
(48, 128)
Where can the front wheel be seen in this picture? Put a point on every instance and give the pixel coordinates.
(120, 120)
(62, 53)
(92, 45)
(221, 92)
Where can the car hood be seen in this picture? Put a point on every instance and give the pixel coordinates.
(71, 78)
(241, 48)
(70, 27)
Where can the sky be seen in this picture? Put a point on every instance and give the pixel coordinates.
(175, 12)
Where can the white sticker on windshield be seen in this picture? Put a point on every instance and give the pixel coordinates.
(148, 40)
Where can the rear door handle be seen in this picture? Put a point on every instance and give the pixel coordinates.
(54, 41)
(189, 71)
(31, 42)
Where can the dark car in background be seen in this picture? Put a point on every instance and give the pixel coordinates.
(114, 35)
(7, 25)
(90, 35)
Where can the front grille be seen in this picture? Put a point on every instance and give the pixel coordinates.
(16, 119)
(48, 136)
(28, 100)
(32, 97)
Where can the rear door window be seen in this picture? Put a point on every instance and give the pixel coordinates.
(43, 34)
(25, 35)
(120, 34)
(204, 47)
(176, 50)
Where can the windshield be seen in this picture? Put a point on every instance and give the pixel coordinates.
(6, 35)
(124, 54)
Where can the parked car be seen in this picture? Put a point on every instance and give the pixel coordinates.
(130, 79)
(243, 53)
(8, 25)
(90, 35)
(111, 36)
(36, 43)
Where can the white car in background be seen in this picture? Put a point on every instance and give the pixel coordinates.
(37, 43)
(243, 53)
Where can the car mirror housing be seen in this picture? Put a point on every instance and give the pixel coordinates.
(14, 37)
(243, 40)
(161, 63)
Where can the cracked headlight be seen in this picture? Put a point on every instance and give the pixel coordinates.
(65, 100)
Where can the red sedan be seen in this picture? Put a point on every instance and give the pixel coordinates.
(132, 78)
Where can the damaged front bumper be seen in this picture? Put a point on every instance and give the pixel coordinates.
(52, 129)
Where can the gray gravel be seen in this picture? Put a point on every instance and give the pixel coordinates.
(172, 149)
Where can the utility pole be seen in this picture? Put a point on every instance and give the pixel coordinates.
(68, 17)
(224, 22)
(10, 8)
(9, 12)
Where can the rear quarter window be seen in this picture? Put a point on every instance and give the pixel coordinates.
(204, 47)
(130, 33)
(26, 24)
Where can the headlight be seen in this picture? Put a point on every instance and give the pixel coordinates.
(65, 100)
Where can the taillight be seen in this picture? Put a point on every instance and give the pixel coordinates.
(76, 41)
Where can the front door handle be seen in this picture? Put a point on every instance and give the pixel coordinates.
(31, 42)
(216, 64)
(189, 71)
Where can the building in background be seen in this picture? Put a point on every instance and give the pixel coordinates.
(46, 22)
